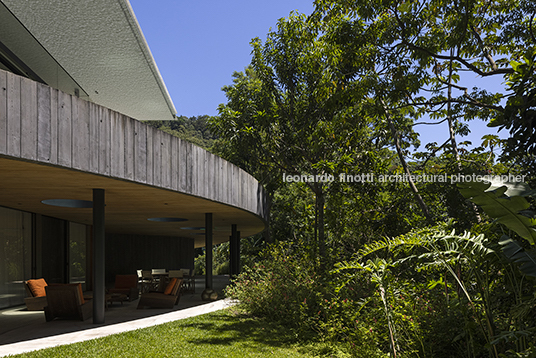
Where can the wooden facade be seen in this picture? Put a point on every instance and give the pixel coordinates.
(44, 125)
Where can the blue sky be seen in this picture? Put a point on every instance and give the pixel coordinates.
(197, 46)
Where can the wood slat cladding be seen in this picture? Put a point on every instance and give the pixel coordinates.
(3, 112)
(42, 125)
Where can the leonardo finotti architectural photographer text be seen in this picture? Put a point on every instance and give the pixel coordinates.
(396, 178)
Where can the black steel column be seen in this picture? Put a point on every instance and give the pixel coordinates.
(208, 250)
(233, 250)
(99, 302)
(237, 264)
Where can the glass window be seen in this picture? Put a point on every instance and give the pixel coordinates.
(15, 256)
(77, 253)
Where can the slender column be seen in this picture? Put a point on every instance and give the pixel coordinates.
(99, 293)
(233, 250)
(208, 250)
(237, 264)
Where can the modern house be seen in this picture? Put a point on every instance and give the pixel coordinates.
(87, 191)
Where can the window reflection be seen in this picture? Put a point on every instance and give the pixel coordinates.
(15, 256)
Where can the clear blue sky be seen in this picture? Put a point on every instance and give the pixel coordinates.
(197, 46)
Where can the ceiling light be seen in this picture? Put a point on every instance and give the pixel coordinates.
(68, 203)
(167, 220)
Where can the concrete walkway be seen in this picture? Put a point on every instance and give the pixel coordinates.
(24, 331)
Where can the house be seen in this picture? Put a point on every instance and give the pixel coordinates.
(87, 191)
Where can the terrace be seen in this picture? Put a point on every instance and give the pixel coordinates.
(23, 331)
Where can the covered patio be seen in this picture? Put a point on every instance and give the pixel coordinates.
(23, 331)
(72, 94)
(147, 199)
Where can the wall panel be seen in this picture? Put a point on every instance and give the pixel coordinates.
(44, 125)
(28, 117)
(13, 115)
(3, 112)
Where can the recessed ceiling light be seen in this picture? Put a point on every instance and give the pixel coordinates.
(167, 220)
(68, 203)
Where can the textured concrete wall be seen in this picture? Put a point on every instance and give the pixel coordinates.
(42, 124)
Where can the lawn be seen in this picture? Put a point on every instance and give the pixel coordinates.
(225, 333)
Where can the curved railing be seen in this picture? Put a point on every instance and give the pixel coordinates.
(42, 124)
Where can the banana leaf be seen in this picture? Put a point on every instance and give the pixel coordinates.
(501, 207)
(526, 260)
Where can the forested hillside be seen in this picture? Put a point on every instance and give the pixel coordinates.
(193, 129)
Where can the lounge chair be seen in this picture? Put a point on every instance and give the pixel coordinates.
(35, 289)
(67, 302)
(166, 299)
(126, 285)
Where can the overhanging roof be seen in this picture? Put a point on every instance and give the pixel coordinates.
(99, 44)
(128, 204)
(56, 146)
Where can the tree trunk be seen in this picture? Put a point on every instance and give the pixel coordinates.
(452, 135)
(394, 133)
(449, 117)
(319, 224)
(267, 234)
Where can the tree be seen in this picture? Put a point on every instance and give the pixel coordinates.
(289, 114)
(193, 129)
(422, 59)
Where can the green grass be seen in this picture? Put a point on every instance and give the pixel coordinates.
(225, 333)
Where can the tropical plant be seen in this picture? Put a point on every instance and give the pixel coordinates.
(511, 211)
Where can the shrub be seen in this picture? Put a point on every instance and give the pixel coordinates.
(285, 287)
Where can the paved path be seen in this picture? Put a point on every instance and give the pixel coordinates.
(87, 334)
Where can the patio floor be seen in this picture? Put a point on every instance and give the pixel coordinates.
(23, 331)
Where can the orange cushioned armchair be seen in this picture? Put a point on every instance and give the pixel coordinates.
(37, 299)
(127, 285)
(166, 299)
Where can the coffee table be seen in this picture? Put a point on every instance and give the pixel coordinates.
(117, 297)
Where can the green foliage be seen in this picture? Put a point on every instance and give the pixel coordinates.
(512, 212)
(430, 292)
(519, 114)
(193, 129)
(526, 259)
(220, 260)
(342, 91)
(285, 287)
(506, 210)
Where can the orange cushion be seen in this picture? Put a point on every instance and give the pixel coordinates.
(37, 287)
(169, 287)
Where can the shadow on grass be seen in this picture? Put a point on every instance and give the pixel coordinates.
(231, 326)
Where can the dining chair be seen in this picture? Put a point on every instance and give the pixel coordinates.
(159, 279)
(191, 281)
(146, 280)
(175, 273)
